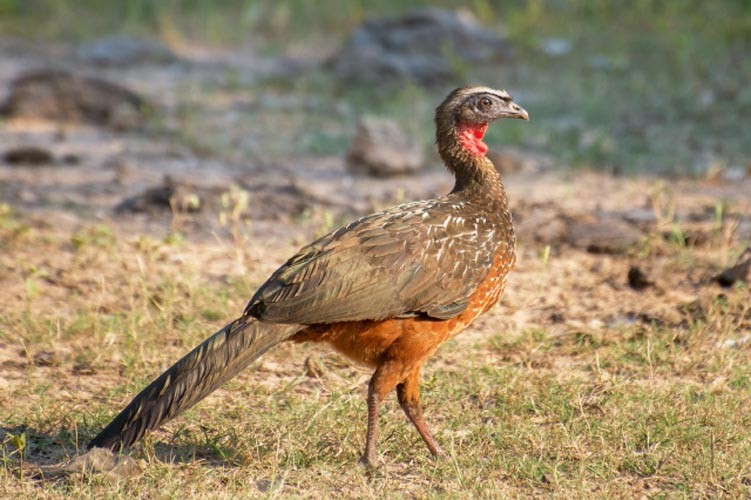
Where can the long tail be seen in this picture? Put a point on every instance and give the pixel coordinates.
(195, 376)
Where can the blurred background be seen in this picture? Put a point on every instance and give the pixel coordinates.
(193, 117)
(625, 87)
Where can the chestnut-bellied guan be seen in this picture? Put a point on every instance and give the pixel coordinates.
(385, 290)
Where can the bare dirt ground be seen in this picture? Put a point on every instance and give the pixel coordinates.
(602, 261)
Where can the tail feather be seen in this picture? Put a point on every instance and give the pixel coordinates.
(195, 376)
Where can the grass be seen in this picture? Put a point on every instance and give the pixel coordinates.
(653, 407)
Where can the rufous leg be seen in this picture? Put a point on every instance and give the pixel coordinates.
(383, 381)
(370, 456)
(408, 393)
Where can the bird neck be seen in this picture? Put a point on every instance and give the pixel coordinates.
(463, 153)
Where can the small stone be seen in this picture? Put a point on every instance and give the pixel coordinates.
(171, 195)
(512, 160)
(101, 460)
(64, 97)
(423, 46)
(27, 196)
(734, 174)
(84, 368)
(643, 217)
(605, 235)
(637, 279)
(542, 226)
(741, 271)
(382, 148)
(123, 50)
(735, 343)
(556, 47)
(71, 159)
(28, 155)
(45, 358)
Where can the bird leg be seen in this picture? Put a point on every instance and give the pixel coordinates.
(370, 456)
(383, 381)
(408, 393)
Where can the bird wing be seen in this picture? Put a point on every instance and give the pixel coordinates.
(417, 259)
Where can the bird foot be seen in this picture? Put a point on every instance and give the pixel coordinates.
(369, 462)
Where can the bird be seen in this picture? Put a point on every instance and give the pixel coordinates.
(385, 290)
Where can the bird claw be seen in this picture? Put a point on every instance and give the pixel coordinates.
(369, 462)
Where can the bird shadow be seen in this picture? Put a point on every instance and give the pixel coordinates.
(212, 454)
(31, 454)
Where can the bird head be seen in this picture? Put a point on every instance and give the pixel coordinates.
(467, 111)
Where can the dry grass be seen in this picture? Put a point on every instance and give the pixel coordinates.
(575, 386)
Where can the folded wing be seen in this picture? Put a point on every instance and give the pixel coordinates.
(382, 266)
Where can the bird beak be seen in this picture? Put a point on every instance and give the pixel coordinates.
(515, 111)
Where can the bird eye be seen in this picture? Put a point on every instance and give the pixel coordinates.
(485, 103)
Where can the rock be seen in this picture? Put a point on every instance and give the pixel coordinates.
(71, 159)
(735, 174)
(382, 148)
(171, 195)
(547, 224)
(276, 201)
(84, 368)
(741, 271)
(269, 198)
(719, 172)
(743, 230)
(124, 51)
(556, 47)
(735, 343)
(642, 217)
(423, 46)
(505, 161)
(27, 196)
(603, 235)
(512, 160)
(103, 461)
(637, 279)
(61, 96)
(542, 226)
(46, 358)
(28, 155)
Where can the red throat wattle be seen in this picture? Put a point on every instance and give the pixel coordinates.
(470, 138)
